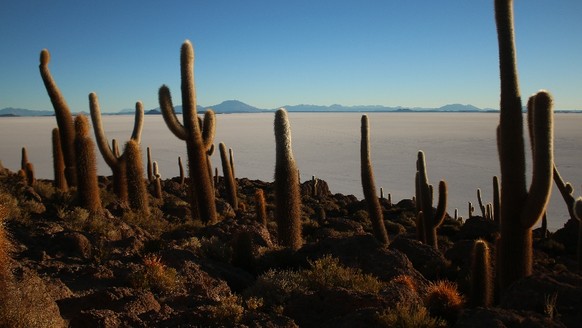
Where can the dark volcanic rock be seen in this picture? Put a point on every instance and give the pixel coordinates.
(429, 261)
(501, 318)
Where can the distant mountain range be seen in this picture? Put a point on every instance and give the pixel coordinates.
(235, 106)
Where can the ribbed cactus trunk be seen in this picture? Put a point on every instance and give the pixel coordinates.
(63, 116)
(520, 208)
(60, 181)
(369, 186)
(198, 141)
(88, 187)
(496, 200)
(287, 194)
(136, 187)
(229, 181)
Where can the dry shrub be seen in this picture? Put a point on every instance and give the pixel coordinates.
(443, 300)
(155, 276)
(410, 316)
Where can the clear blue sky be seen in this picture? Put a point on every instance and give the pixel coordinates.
(271, 53)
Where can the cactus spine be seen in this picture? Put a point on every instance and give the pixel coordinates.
(229, 181)
(369, 187)
(520, 208)
(111, 155)
(60, 181)
(197, 142)
(63, 116)
(431, 219)
(481, 278)
(138, 198)
(287, 194)
(87, 188)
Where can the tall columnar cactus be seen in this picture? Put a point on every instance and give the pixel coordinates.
(577, 209)
(58, 162)
(30, 177)
(229, 181)
(23, 158)
(111, 156)
(198, 140)
(63, 116)
(136, 187)
(231, 159)
(481, 277)
(431, 219)
(287, 194)
(520, 208)
(88, 187)
(369, 187)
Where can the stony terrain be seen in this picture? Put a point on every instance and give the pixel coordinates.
(124, 269)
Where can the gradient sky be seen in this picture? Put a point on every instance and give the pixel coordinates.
(271, 53)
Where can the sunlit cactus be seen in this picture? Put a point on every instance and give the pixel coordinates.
(369, 187)
(88, 187)
(287, 193)
(198, 139)
(63, 116)
(136, 187)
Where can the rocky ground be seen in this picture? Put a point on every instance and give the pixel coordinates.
(123, 269)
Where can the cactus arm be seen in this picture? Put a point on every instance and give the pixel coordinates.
(189, 112)
(566, 190)
(480, 200)
(63, 117)
(543, 150)
(100, 137)
(441, 210)
(138, 122)
(208, 129)
(169, 114)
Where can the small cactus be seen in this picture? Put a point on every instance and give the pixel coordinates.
(481, 277)
(261, 207)
(229, 180)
